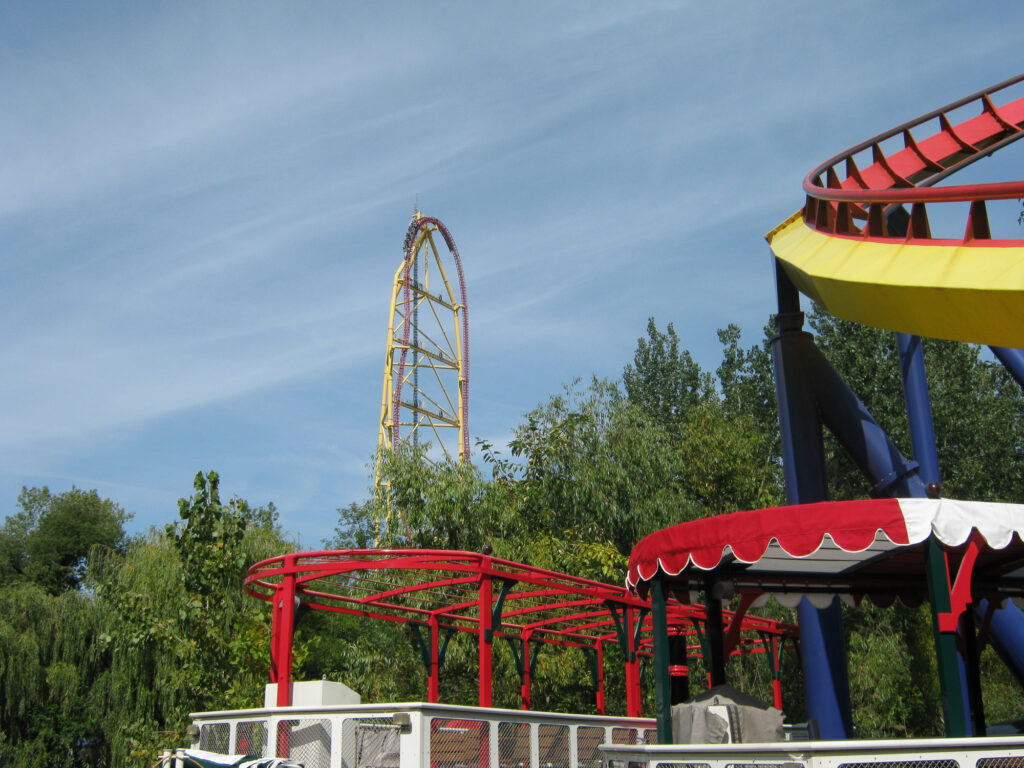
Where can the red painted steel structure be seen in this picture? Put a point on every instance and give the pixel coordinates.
(445, 591)
(843, 199)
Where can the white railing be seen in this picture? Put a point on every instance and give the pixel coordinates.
(418, 735)
(988, 752)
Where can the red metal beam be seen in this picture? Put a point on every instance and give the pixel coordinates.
(908, 175)
(454, 589)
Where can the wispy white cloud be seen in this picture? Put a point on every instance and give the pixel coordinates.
(201, 207)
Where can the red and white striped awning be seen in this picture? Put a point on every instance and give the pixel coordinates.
(854, 548)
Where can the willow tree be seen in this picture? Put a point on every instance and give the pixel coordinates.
(54, 661)
(183, 636)
(54, 654)
(108, 674)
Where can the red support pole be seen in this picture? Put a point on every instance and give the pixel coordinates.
(600, 678)
(284, 605)
(524, 692)
(732, 637)
(633, 699)
(434, 680)
(484, 641)
(275, 632)
(284, 733)
(777, 673)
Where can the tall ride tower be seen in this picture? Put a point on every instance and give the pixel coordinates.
(426, 369)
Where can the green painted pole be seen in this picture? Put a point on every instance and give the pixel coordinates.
(945, 642)
(662, 680)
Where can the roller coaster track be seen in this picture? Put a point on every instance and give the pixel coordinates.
(856, 250)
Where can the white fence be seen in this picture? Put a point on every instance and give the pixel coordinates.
(989, 752)
(417, 735)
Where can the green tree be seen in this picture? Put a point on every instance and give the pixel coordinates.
(182, 633)
(663, 380)
(107, 674)
(53, 664)
(208, 539)
(53, 654)
(591, 463)
(893, 686)
(747, 381)
(436, 505)
(48, 540)
(727, 438)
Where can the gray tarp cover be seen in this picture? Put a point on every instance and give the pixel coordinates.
(751, 720)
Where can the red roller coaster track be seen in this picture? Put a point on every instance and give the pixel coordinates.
(849, 193)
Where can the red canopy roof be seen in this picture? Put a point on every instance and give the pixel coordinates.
(857, 548)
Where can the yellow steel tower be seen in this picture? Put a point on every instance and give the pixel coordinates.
(426, 369)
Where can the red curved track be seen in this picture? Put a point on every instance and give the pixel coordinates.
(840, 194)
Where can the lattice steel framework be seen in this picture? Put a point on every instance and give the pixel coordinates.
(426, 369)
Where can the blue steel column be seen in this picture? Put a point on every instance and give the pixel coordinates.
(1006, 636)
(867, 444)
(955, 703)
(1012, 360)
(1007, 627)
(919, 406)
(803, 452)
(826, 683)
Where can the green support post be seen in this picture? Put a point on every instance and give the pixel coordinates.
(662, 680)
(591, 654)
(426, 649)
(506, 587)
(514, 645)
(945, 642)
(620, 628)
(421, 644)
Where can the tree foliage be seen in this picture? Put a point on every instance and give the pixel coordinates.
(53, 676)
(893, 686)
(663, 380)
(109, 673)
(48, 540)
(106, 643)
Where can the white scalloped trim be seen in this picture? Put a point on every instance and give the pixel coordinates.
(952, 521)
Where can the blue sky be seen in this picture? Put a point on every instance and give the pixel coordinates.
(202, 207)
